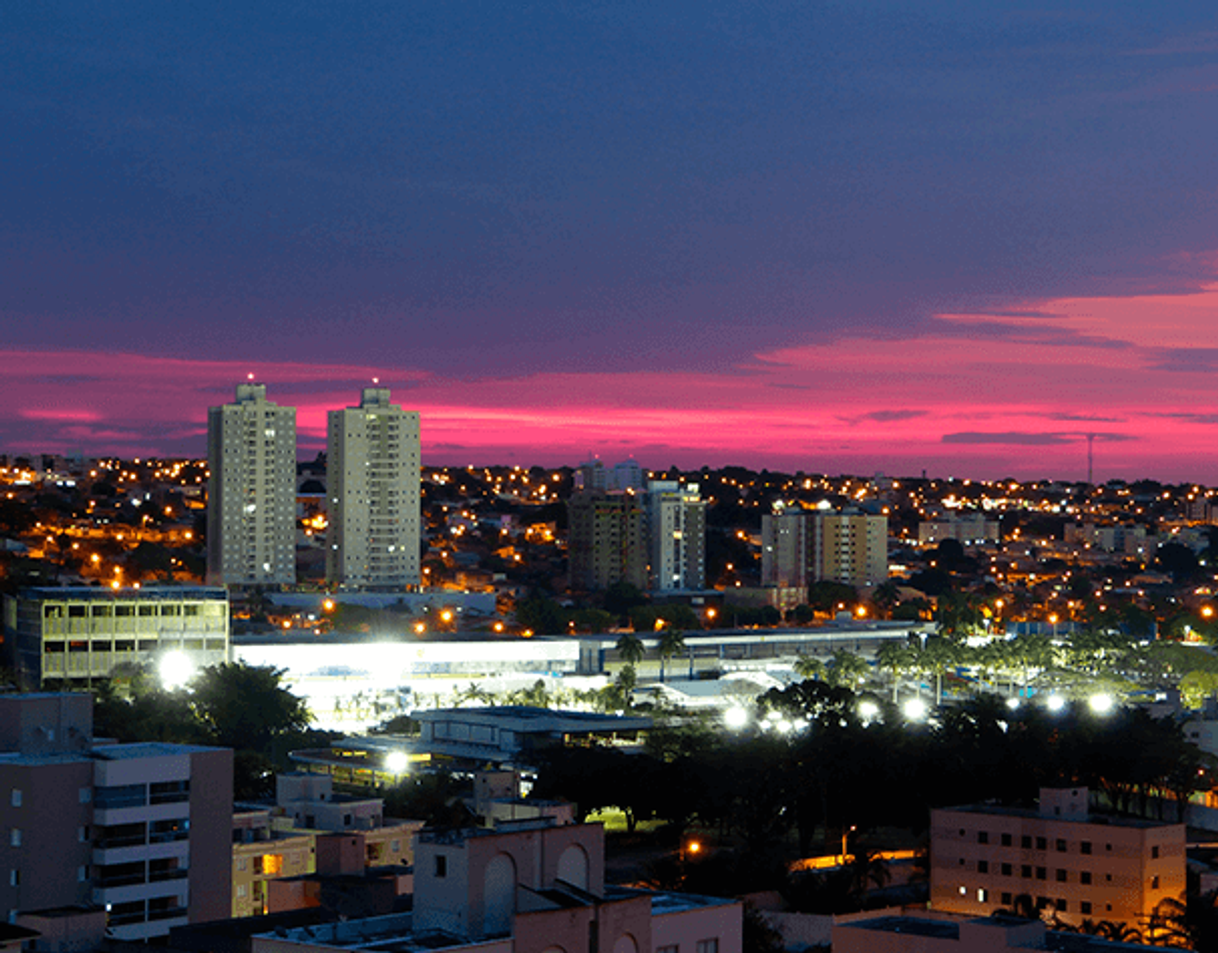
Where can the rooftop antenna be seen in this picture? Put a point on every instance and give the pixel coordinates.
(1090, 459)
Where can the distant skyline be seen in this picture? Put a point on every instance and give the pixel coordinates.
(838, 239)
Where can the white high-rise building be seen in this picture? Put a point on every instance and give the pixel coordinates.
(251, 492)
(676, 528)
(372, 472)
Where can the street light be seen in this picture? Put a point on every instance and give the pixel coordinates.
(736, 717)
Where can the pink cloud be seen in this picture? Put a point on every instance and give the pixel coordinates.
(980, 394)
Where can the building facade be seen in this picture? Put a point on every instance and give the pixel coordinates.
(140, 830)
(1069, 862)
(676, 531)
(81, 633)
(529, 887)
(251, 491)
(373, 484)
(848, 547)
(784, 548)
(607, 543)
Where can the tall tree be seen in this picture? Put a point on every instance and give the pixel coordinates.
(671, 642)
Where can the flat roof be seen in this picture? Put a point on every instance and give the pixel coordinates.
(1028, 813)
(146, 749)
(915, 926)
(105, 593)
(543, 719)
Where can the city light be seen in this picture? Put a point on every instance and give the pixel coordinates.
(1055, 702)
(397, 762)
(915, 709)
(1101, 704)
(736, 717)
(175, 670)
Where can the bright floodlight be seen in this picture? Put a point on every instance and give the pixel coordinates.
(175, 670)
(1013, 702)
(915, 709)
(868, 710)
(397, 762)
(1056, 703)
(1100, 704)
(736, 717)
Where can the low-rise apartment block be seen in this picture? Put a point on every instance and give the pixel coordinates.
(140, 830)
(526, 888)
(1067, 860)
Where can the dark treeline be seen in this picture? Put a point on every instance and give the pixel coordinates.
(833, 770)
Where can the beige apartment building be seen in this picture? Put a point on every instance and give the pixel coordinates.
(373, 493)
(311, 830)
(1069, 861)
(607, 541)
(849, 547)
(251, 491)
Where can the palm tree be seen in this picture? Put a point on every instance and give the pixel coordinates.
(846, 670)
(937, 656)
(894, 658)
(809, 666)
(630, 649)
(671, 642)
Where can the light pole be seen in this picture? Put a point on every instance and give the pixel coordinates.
(846, 832)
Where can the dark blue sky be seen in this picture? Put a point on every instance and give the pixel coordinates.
(491, 192)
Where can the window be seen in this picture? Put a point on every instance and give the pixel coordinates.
(441, 865)
(1042, 844)
(1006, 870)
(82, 873)
(1006, 899)
(14, 837)
(1061, 905)
(983, 866)
(668, 949)
(1154, 883)
(14, 878)
(1041, 873)
(1084, 876)
(85, 795)
(1061, 846)
(1154, 852)
(982, 895)
(1084, 847)
(1107, 847)
(1026, 842)
(983, 837)
(1084, 906)
(1025, 871)
(1006, 840)
(82, 834)
(15, 798)
(242, 890)
(708, 946)
(962, 890)
(1061, 876)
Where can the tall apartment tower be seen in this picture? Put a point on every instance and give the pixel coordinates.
(372, 473)
(784, 548)
(849, 547)
(251, 492)
(676, 529)
(606, 542)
